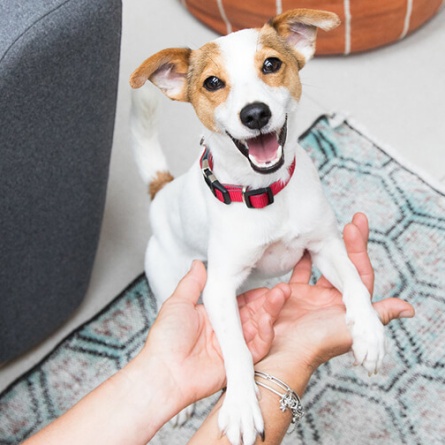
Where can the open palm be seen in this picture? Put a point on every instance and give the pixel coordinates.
(183, 339)
(313, 319)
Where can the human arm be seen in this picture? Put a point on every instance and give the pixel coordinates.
(161, 380)
(311, 330)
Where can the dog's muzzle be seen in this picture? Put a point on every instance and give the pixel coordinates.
(265, 152)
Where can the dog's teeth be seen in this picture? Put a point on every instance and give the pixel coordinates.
(270, 162)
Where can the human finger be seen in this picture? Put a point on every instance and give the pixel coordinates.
(275, 300)
(355, 238)
(252, 297)
(258, 327)
(264, 303)
(192, 284)
(361, 221)
(356, 242)
(393, 308)
(302, 270)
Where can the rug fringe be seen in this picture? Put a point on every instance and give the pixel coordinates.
(337, 118)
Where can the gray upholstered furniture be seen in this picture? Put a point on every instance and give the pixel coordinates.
(58, 79)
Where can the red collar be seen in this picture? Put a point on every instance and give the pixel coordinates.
(253, 198)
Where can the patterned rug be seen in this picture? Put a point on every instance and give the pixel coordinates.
(402, 405)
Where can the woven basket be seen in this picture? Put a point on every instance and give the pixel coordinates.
(366, 24)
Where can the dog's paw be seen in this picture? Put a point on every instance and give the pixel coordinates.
(368, 339)
(183, 416)
(240, 417)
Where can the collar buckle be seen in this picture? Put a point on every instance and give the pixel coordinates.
(266, 191)
(213, 183)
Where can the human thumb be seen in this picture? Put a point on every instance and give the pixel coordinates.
(192, 284)
(393, 308)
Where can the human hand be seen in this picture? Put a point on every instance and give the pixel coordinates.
(311, 326)
(184, 344)
(310, 330)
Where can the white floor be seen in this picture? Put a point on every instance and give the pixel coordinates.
(397, 93)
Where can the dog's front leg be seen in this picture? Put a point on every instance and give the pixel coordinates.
(240, 416)
(366, 328)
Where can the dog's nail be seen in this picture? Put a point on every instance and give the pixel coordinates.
(263, 436)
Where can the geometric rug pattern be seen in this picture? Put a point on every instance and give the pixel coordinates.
(402, 405)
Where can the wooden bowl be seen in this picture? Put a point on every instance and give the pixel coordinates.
(366, 24)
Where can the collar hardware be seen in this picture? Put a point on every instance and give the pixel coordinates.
(213, 183)
(266, 192)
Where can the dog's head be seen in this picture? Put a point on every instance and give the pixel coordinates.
(245, 84)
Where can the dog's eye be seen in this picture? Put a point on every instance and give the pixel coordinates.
(213, 83)
(271, 65)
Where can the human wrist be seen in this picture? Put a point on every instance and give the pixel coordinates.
(150, 389)
(294, 371)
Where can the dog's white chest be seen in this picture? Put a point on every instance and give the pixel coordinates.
(280, 257)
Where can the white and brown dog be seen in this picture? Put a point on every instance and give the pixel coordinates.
(252, 203)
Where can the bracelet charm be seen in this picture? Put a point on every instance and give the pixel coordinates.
(292, 401)
(288, 400)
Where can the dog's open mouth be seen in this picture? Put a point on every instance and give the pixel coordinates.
(264, 152)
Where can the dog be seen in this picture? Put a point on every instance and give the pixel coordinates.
(252, 203)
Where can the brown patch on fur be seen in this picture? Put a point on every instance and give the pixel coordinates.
(191, 68)
(161, 179)
(170, 63)
(272, 45)
(320, 19)
(285, 23)
(206, 62)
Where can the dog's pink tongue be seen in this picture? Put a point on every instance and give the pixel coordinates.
(263, 148)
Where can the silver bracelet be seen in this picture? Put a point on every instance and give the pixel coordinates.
(288, 400)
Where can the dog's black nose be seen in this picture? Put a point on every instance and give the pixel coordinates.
(256, 115)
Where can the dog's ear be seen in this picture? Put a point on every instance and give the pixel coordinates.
(168, 70)
(299, 28)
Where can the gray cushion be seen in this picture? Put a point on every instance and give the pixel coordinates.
(59, 65)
